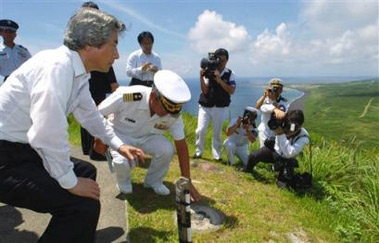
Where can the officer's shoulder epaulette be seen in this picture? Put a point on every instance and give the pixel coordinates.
(128, 97)
(22, 47)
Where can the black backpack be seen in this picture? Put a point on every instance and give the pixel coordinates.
(302, 181)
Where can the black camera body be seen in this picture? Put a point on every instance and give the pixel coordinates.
(286, 125)
(274, 90)
(249, 116)
(275, 123)
(210, 64)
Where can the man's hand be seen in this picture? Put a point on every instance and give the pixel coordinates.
(195, 195)
(146, 66)
(152, 69)
(239, 120)
(131, 153)
(216, 73)
(202, 72)
(279, 131)
(86, 188)
(279, 114)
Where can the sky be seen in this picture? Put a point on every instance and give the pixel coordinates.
(265, 38)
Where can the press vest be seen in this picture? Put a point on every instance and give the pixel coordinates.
(216, 95)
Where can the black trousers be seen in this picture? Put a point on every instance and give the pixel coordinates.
(25, 183)
(87, 146)
(268, 155)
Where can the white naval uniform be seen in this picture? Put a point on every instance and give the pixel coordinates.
(238, 143)
(215, 114)
(12, 58)
(36, 101)
(267, 108)
(135, 62)
(132, 122)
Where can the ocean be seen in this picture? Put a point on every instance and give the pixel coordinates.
(248, 91)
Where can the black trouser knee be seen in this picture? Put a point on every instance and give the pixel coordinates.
(75, 224)
(263, 154)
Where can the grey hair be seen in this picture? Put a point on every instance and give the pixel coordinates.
(89, 26)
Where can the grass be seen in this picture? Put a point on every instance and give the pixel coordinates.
(342, 206)
(337, 111)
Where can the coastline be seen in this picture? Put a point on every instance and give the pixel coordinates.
(299, 103)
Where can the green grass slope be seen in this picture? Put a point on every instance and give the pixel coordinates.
(344, 111)
(342, 206)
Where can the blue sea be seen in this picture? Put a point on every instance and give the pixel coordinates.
(248, 91)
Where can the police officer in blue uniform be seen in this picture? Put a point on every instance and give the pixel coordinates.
(11, 54)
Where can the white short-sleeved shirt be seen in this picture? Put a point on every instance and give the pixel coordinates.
(135, 61)
(266, 110)
(34, 104)
(132, 118)
(12, 58)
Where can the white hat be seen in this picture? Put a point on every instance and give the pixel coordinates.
(174, 91)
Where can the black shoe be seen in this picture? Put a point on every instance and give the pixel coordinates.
(97, 157)
(196, 156)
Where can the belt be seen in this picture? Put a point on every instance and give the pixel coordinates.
(7, 144)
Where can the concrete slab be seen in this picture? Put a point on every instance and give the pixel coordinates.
(23, 225)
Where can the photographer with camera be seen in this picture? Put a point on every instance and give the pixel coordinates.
(271, 102)
(217, 85)
(290, 139)
(240, 132)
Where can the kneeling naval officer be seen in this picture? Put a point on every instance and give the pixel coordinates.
(140, 116)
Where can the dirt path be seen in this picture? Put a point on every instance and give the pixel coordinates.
(366, 108)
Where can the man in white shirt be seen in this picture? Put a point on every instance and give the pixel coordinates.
(271, 102)
(290, 140)
(140, 116)
(142, 64)
(241, 131)
(35, 167)
(11, 54)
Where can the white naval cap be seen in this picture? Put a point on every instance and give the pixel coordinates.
(173, 91)
(275, 82)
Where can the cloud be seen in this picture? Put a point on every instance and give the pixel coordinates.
(212, 31)
(331, 18)
(268, 44)
(335, 36)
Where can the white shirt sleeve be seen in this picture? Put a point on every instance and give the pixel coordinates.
(132, 70)
(288, 150)
(91, 119)
(177, 129)
(48, 134)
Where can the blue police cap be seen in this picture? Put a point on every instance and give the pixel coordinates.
(7, 24)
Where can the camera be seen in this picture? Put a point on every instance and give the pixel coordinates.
(210, 64)
(275, 123)
(249, 116)
(274, 90)
(286, 125)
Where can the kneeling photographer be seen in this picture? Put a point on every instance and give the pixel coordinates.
(241, 131)
(290, 139)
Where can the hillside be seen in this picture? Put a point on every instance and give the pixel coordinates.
(342, 206)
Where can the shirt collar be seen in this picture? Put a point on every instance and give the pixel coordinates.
(77, 62)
